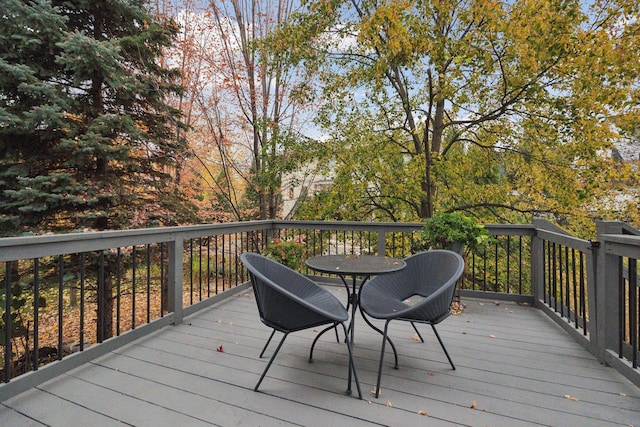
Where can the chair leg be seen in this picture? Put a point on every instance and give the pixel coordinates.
(315, 340)
(273, 356)
(375, 328)
(417, 332)
(352, 366)
(384, 341)
(443, 347)
(267, 343)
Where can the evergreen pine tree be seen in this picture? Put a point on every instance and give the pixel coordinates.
(86, 138)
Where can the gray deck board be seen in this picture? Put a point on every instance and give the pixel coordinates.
(514, 366)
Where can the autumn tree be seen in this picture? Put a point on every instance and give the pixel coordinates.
(502, 109)
(245, 106)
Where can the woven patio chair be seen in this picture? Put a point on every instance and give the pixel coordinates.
(420, 293)
(290, 302)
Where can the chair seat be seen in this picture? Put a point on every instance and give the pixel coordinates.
(381, 306)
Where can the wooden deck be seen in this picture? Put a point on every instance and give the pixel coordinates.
(515, 367)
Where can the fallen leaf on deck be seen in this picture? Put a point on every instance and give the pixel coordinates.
(492, 336)
(567, 396)
(416, 337)
(623, 394)
(389, 404)
(481, 303)
(473, 405)
(496, 303)
(422, 413)
(464, 333)
(373, 390)
(220, 349)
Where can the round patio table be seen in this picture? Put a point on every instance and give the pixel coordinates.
(355, 266)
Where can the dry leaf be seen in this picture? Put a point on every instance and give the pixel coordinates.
(464, 333)
(492, 336)
(623, 394)
(422, 413)
(430, 374)
(373, 390)
(496, 303)
(567, 396)
(220, 349)
(473, 405)
(389, 404)
(416, 337)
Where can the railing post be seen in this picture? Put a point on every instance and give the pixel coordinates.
(382, 242)
(175, 273)
(607, 291)
(537, 269)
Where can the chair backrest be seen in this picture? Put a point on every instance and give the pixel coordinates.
(286, 299)
(432, 274)
(428, 271)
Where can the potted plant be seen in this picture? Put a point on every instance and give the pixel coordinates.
(287, 252)
(453, 231)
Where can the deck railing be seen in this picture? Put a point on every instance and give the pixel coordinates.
(69, 298)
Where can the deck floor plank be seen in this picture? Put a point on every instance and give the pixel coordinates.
(515, 367)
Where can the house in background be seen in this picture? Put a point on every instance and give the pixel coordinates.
(300, 184)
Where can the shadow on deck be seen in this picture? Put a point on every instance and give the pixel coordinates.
(515, 367)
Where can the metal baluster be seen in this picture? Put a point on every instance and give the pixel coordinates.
(148, 283)
(118, 288)
(583, 302)
(101, 299)
(633, 311)
(162, 293)
(60, 301)
(191, 271)
(36, 312)
(82, 283)
(133, 287)
(7, 323)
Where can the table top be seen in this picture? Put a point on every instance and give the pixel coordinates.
(357, 265)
